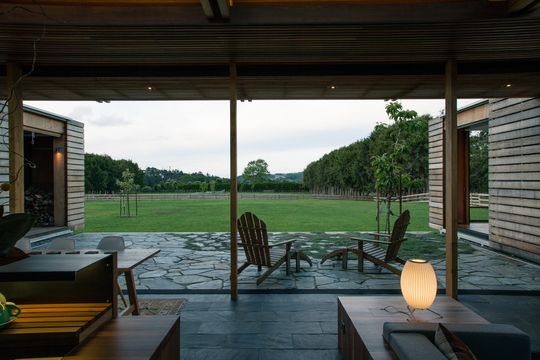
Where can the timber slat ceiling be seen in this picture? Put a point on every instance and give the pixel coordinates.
(283, 50)
(490, 40)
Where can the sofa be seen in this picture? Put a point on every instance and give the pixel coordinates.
(486, 341)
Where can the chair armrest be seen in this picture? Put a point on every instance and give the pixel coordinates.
(379, 234)
(371, 240)
(281, 243)
(376, 241)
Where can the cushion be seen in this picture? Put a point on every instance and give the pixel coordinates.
(411, 346)
(486, 341)
(451, 345)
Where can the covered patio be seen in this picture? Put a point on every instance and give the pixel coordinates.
(251, 50)
(199, 263)
(255, 50)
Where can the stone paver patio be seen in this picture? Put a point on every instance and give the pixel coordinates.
(200, 261)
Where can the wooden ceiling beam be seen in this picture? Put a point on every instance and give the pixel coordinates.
(103, 2)
(520, 5)
(227, 2)
(216, 10)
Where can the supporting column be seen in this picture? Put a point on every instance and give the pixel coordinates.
(16, 139)
(59, 182)
(234, 194)
(451, 179)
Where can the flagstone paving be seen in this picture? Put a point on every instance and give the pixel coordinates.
(200, 261)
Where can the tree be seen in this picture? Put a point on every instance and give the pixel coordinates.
(255, 172)
(390, 167)
(102, 173)
(204, 186)
(478, 148)
(127, 186)
(348, 170)
(212, 185)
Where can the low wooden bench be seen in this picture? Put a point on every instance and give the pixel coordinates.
(130, 338)
(133, 338)
(51, 329)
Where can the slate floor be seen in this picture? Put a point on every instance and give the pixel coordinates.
(300, 326)
(265, 327)
(200, 261)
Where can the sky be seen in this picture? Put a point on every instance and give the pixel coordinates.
(194, 135)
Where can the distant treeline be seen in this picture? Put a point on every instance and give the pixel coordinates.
(102, 173)
(348, 170)
(478, 166)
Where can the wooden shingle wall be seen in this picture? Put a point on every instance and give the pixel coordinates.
(514, 176)
(4, 159)
(75, 174)
(436, 176)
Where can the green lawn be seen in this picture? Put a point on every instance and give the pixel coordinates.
(213, 215)
(479, 214)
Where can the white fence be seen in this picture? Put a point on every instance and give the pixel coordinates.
(225, 196)
(479, 200)
(476, 200)
(243, 196)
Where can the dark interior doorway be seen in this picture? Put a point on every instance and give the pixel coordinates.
(39, 177)
(473, 186)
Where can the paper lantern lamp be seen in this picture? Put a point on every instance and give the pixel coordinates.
(418, 284)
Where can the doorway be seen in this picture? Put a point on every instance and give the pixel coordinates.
(44, 180)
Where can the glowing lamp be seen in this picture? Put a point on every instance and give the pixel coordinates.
(418, 284)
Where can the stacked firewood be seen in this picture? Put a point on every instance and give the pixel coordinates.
(40, 204)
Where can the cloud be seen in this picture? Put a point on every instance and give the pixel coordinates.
(194, 135)
(110, 120)
(86, 115)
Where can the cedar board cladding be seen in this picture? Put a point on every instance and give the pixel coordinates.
(75, 174)
(436, 175)
(4, 160)
(74, 165)
(514, 176)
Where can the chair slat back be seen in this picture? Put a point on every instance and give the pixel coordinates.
(112, 243)
(61, 244)
(253, 234)
(398, 233)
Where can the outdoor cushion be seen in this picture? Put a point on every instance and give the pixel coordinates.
(486, 341)
(414, 347)
(451, 345)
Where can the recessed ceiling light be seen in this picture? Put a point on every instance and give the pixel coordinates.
(149, 87)
(508, 85)
(333, 87)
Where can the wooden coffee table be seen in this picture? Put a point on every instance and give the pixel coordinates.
(361, 319)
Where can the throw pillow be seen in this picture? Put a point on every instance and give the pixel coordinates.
(451, 346)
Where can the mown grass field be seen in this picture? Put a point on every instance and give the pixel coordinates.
(279, 215)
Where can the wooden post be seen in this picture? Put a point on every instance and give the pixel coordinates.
(450, 179)
(59, 183)
(234, 194)
(16, 139)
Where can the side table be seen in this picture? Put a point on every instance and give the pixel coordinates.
(361, 319)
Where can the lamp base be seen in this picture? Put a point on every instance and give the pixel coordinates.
(410, 313)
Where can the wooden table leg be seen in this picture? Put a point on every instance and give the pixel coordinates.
(132, 292)
(297, 256)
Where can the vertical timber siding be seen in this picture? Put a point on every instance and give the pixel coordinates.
(514, 176)
(4, 158)
(436, 175)
(75, 174)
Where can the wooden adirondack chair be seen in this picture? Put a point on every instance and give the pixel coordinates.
(373, 252)
(254, 240)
